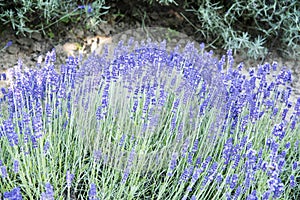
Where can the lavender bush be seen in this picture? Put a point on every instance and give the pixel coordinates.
(145, 123)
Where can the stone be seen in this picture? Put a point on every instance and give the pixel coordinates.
(36, 36)
(79, 32)
(37, 47)
(24, 41)
(13, 49)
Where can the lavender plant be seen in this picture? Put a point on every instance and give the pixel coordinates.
(146, 123)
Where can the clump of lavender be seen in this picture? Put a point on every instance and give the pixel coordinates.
(14, 194)
(49, 193)
(144, 120)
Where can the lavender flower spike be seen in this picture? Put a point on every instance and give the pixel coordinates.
(93, 192)
(69, 178)
(14, 194)
(48, 195)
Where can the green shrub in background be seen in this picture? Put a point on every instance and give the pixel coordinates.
(250, 26)
(28, 16)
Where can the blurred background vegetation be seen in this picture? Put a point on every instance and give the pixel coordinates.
(250, 26)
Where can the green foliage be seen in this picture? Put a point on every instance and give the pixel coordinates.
(28, 16)
(252, 27)
(249, 25)
(164, 2)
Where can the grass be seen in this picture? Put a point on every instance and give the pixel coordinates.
(146, 124)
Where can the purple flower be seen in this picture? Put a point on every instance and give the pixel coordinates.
(247, 181)
(185, 147)
(185, 176)
(205, 163)
(16, 166)
(196, 175)
(278, 130)
(266, 195)
(172, 164)
(175, 105)
(69, 178)
(227, 150)
(135, 105)
(204, 105)
(9, 43)
(3, 77)
(128, 167)
(252, 196)
(93, 192)
(287, 145)
(99, 114)
(37, 124)
(219, 178)
(62, 91)
(173, 123)
(234, 179)
(190, 158)
(162, 96)
(297, 108)
(295, 164)
(3, 171)
(49, 193)
(236, 161)
(90, 9)
(122, 140)
(12, 136)
(281, 162)
(292, 181)
(275, 111)
(285, 111)
(179, 132)
(275, 185)
(14, 194)
(46, 147)
(97, 155)
(293, 124)
(251, 155)
(237, 192)
(195, 146)
(198, 161)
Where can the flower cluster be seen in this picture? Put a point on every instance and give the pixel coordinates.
(150, 118)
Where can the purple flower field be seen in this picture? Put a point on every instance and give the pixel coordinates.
(146, 123)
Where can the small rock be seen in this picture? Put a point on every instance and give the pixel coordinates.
(123, 37)
(36, 36)
(70, 48)
(154, 16)
(79, 32)
(37, 47)
(107, 29)
(13, 49)
(8, 61)
(121, 25)
(24, 41)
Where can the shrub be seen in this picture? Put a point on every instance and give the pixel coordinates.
(249, 26)
(28, 16)
(149, 124)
